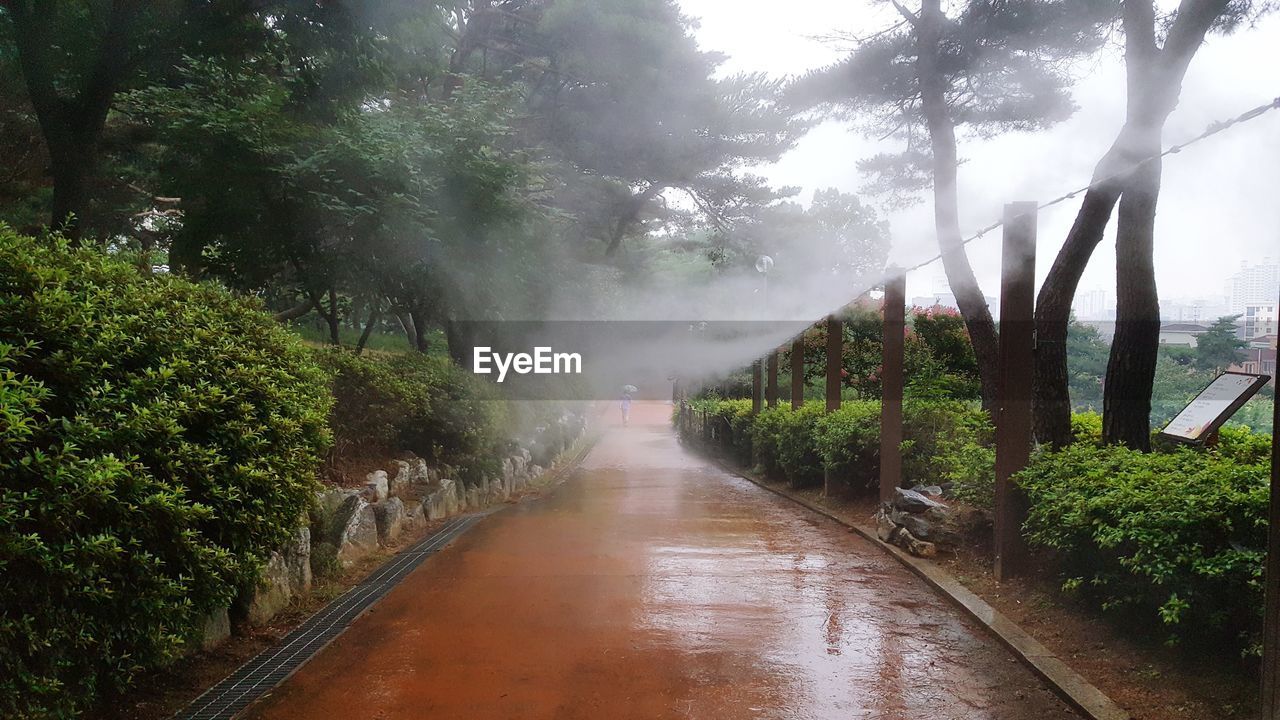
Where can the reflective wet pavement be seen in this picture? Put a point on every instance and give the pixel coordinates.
(654, 585)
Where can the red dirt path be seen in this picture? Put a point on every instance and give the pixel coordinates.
(654, 585)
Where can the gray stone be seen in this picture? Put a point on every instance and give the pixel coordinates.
(297, 560)
(388, 516)
(328, 501)
(414, 516)
(917, 526)
(912, 501)
(272, 594)
(473, 497)
(437, 503)
(354, 530)
(928, 489)
(920, 548)
(286, 576)
(375, 486)
(884, 526)
(216, 629)
(399, 482)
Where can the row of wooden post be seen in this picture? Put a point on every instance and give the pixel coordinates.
(1012, 416)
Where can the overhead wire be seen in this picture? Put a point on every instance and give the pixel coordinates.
(1213, 129)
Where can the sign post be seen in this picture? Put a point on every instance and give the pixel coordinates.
(1013, 384)
(891, 378)
(1199, 421)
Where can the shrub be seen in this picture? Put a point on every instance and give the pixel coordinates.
(1086, 427)
(157, 439)
(731, 422)
(943, 441)
(423, 404)
(1175, 538)
(786, 445)
(848, 440)
(369, 402)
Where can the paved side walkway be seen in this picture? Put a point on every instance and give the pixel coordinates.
(654, 585)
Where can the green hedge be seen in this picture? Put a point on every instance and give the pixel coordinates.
(731, 423)
(1174, 538)
(785, 443)
(420, 403)
(944, 441)
(157, 439)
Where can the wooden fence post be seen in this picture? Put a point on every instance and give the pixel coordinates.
(756, 390)
(1271, 610)
(835, 361)
(797, 372)
(891, 379)
(1013, 384)
(771, 386)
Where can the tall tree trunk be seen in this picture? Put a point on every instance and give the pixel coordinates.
(630, 213)
(459, 340)
(1051, 394)
(406, 324)
(1126, 402)
(942, 139)
(375, 314)
(419, 329)
(335, 336)
(1154, 80)
(71, 123)
(70, 164)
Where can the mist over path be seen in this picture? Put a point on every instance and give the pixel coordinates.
(654, 585)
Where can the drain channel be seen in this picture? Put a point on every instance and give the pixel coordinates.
(271, 666)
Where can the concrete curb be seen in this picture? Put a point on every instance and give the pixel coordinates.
(1066, 683)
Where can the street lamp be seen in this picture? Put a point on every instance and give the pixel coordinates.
(764, 264)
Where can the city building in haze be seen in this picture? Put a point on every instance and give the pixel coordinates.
(1254, 284)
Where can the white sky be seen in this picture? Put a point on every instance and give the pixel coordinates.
(1218, 205)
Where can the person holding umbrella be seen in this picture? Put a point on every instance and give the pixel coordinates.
(626, 403)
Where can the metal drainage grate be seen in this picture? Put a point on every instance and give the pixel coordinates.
(271, 666)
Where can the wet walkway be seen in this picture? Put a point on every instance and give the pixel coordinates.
(654, 585)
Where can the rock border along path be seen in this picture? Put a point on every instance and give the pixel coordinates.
(273, 665)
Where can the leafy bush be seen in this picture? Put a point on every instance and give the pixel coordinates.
(157, 439)
(423, 404)
(1086, 427)
(1175, 538)
(731, 422)
(943, 441)
(767, 440)
(848, 441)
(785, 443)
(369, 402)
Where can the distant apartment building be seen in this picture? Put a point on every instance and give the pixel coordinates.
(1254, 284)
(1260, 319)
(1195, 310)
(1092, 305)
